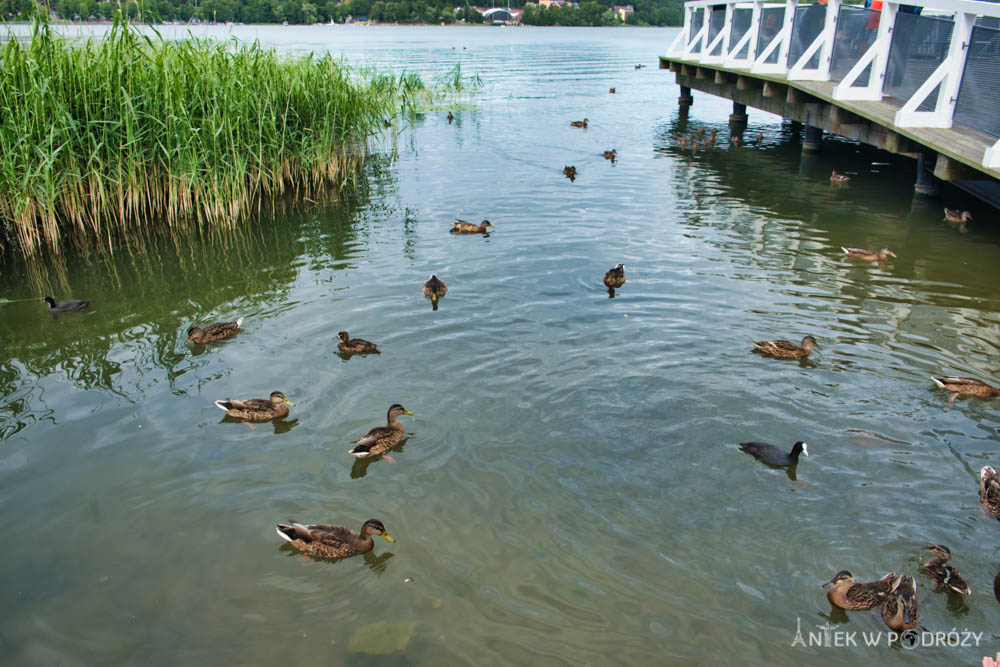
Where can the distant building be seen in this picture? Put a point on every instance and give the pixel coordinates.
(622, 11)
(502, 15)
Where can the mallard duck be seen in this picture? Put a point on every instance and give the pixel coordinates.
(66, 305)
(775, 456)
(760, 138)
(700, 132)
(328, 541)
(386, 123)
(463, 227)
(943, 576)
(899, 611)
(615, 277)
(355, 345)
(785, 349)
(857, 595)
(579, 123)
(639, 66)
(682, 142)
(956, 215)
(570, 173)
(611, 90)
(611, 154)
(989, 490)
(381, 438)
(735, 139)
(839, 179)
(451, 117)
(970, 386)
(869, 255)
(214, 332)
(435, 288)
(256, 409)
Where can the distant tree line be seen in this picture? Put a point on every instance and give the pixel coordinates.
(589, 12)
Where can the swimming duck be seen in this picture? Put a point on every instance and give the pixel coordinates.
(570, 173)
(970, 386)
(355, 345)
(700, 132)
(839, 179)
(943, 575)
(451, 117)
(463, 227)
(382, 438)
(682, 142)
(639, 66)
(328, 541)
(735, 139)
(214, 332)
(435, 289)
(989, 490)
(611, 90)
(785, 349)
(579, 123)
(611, 154)
(760, 138)
(857, 595)
(66, 305)
(956, 215)
(899, 611)
(615, 277)
(869, 255)
(256, 409)
(775, 456)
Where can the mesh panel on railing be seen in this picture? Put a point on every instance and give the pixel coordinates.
(809, 20)
(980, 89)
(771, 19)
(856, 31)
(741, 25)
(697, 20)
(919, 45)
(716, 21)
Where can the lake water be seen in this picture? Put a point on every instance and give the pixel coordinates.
(570, 491)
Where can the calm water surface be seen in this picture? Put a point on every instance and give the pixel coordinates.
(570, 491)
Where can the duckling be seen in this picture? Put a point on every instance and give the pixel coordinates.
(700, 132)
(214, 332)
(899, 611)
(989, 490)
(463, 227)
(611, 90)
(943, 575)
(838, 179)
(570, 173)
(858, 596)
(66, 305)
(611, 154)
(355, 345)
(785, 349)
(451, 117)
(775, 456)
(435, 289)
(579, 123)
(615, 277)
(957, 215)
(328, 541)
(256, 409)
(970, 386)
(869, 255)
(682, 142)
(760, 138)
(710, 142)
(735, 140)
(381, 438)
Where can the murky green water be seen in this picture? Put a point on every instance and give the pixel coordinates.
(570, 491)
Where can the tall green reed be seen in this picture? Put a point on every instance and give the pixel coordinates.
(133, 132)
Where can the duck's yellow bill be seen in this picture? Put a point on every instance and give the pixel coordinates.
(287, 402)
(388, 538)
(407, 412)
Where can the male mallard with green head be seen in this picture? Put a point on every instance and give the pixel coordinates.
(785, 349)
(869, 255)
(969, 386)
(329, 541)
(381, 438)
(463, 227)
(943, 576)
(256, 409)
(213, 332)
(857, 595)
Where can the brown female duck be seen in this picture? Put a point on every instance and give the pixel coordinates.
(970, 386)
(869, 255)
(989, 490)
(355, 345)
(838, 178)
(611, 154)
(899, 611)
(785, 349)
(858, 595)
(256, 409)
(328, 541)
(943, 576)
(381, 438)
(214, 332)
(463, 227)
(957, 215)
(435, 289)
(615, 277)
(579, 123)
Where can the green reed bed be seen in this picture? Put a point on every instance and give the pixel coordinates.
(118, 134)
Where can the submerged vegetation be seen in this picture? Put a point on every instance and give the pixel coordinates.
(131, 132)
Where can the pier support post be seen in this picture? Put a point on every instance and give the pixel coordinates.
(813, 141)
(685, 100)
(926, 184)
(739, 114)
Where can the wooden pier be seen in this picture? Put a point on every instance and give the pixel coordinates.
(831, 75)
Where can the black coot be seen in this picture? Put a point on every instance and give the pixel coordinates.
(775, 456)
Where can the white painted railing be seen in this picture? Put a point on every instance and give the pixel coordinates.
(695, 45)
